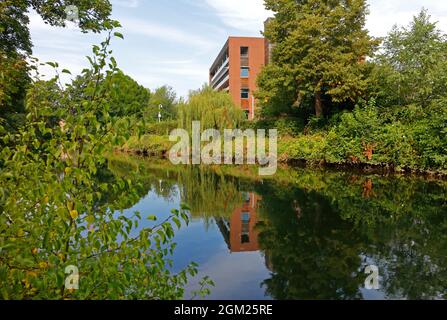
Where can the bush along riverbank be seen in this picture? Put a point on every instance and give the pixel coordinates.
(382, 149)
(410, 140)
(397, 123)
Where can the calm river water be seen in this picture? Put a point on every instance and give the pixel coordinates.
(304, 234)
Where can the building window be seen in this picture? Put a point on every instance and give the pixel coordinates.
(244, 93)
(247, 114)
(244, 51)
(245, 230)
(245, 238)
(245, 217)
(244, 72)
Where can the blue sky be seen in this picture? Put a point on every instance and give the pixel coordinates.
(175, 41)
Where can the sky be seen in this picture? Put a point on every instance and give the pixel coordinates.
(174, 42)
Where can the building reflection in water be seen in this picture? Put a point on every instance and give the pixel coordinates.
(239, 231)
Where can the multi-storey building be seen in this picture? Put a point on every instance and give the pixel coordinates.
(236, 68)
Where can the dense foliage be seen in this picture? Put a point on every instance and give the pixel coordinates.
(59, 201)
(164, 101)
(214, 109)
(398, 120)
(16, 45)
(319, 54)
(411, 68)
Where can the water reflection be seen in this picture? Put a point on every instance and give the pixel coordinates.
(239, 230)
(305, 234)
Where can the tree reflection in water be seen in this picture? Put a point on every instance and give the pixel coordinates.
(319, 230)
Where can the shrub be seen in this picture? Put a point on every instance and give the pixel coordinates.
(153, 144)
(430, 135)
(310, 148)
(161, 128)
(286, 126)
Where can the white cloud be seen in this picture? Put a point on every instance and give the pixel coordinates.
(384, 14)
(164, 33)
(67, 46)
(245, 15)
(161, 51)
(126, 3)
(248, 15)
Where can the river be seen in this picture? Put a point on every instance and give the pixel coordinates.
(302, 234)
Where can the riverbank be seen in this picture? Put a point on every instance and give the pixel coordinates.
(305, 151)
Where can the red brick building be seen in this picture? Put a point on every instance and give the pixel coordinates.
(236, 67)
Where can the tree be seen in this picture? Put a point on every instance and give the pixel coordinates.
(319, 51)
(128, 98)
(412, 67)
(214, 110)
(14, 80)
(63, 222)
(14, 32)
(16, 45)
(166, 97)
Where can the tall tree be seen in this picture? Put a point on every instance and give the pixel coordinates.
(165, 96)
(412, 67)
(15, 43)
(320, 49)
(127, 97)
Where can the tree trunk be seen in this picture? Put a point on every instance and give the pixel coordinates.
(318, 105)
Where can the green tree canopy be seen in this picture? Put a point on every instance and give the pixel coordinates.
(412, 67)
(319, 50)
(214, 109)
(14, 32)
(16, 45)
(165, 96)
(128, 98)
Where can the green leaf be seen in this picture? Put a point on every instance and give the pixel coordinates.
(118, 34)
(90, 219)
(52, 64)
(177, 222)
(152, 218)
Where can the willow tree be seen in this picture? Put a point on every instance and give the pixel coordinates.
(319, 51)
(214, 110)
